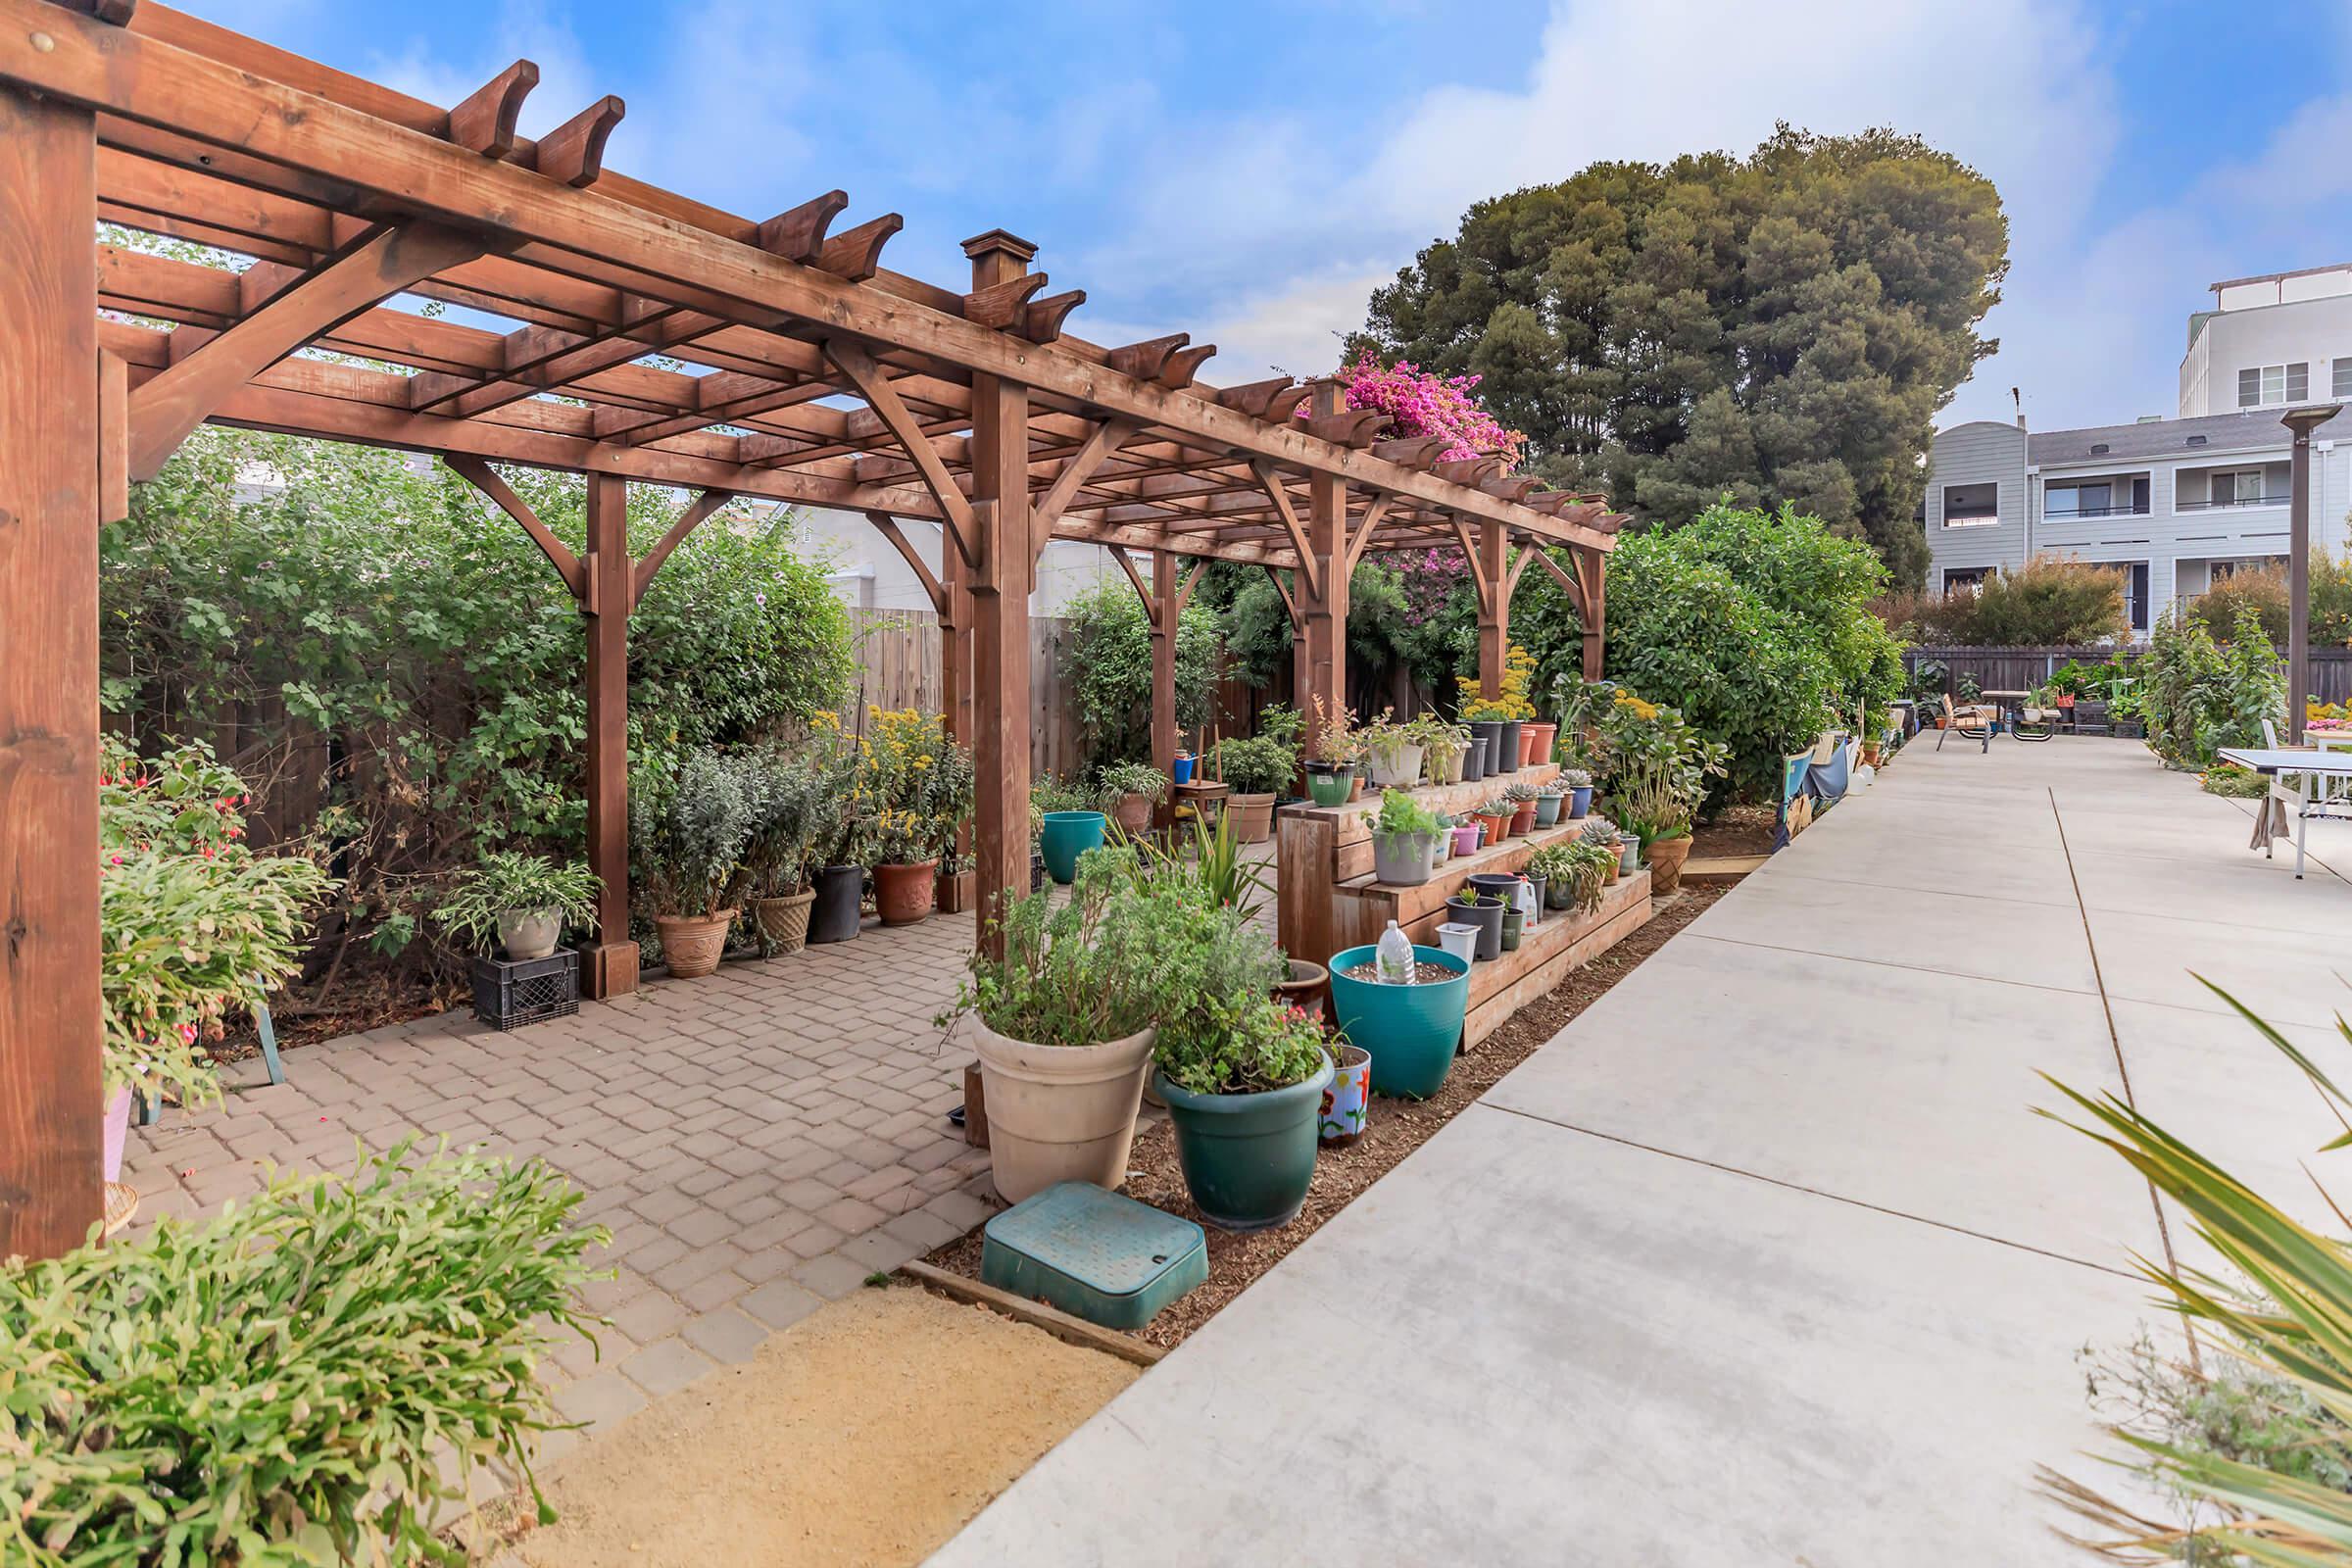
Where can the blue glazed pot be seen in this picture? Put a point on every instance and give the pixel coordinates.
(1068, 835)
(1412, 1031)
(1580, 800)
(1183, 770)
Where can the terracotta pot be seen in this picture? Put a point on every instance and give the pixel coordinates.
(903, 893)
(1355, 785)
(784, 921)
(1134, 813)
(1306, 987)
(1251, 815)
(1523, 817)
(1666, 857)
(956, 890)
(1535, 744)
(116, 1133)
(1612, 875)
(1060, 1113)
(1498, 825)
(691, 944)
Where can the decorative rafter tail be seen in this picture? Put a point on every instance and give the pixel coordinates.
(574, 153)
(1041, 319)
(857, 254)
(485, 121)
(1184, 365)
(1255, 397)
(1144, 360)
(1283, 407)
(1003, 305)
(798, 234)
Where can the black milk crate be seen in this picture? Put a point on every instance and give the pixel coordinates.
(508, 996)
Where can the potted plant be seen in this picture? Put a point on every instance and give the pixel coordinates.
(1549, 799)
(1302, 986)
(918, 785)
(687, 835)
(1514, 920)
(1412, 1031)
(1135, 788)
(191, 922)
(1522, 798)
(1579, 785)
(1402, 835)
(1065, 1020)
(1602, 835)
(1467, 833)
(843, 828)
(1070, 821)
(1496, 815)
(1503, 716)
(1393, 753)
(1479, 907)
(1553, 865)
(793, 815)
(517, 904)
(1443, 746)
(1659, 771)
(1255, 768)
(1243, 1080)
(1346, 1099)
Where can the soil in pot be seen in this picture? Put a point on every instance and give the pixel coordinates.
(904, 893)
(1487, 918)
(834, 916)
(1060, 1113)
(1412, 1031)
(1067, 836)
(1307, 987)
(1247, 1159)
(1252, 816)
(1347, 1100)
(784, 922)
(691, 944)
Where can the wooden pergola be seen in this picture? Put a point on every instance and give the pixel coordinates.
(811, 375)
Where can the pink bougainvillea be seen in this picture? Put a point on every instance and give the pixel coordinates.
(1418, 404)
(1428, 578)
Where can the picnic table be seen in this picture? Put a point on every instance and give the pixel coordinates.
(2312, 767)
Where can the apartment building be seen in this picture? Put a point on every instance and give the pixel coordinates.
(2178, 503)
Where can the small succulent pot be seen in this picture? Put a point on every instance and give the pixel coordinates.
(1328, 783)
(691, 944)
(1523, 817)
(1498, 825)
(903, 894)
(834, 917)
(527, 934)
(1459, 938)
(1487, 918)
(1580, 802)
(1347, 1100)
(1629, 853)
(1616, 869)
(783, 924)
(1465, 837)
(1512, 924)
(1547, 810)
(1474, 759)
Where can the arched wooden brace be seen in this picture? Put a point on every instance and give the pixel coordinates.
(1585, 590)
(867, 377)
(478, 473)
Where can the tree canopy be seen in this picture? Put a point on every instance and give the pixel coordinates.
(1784, 326)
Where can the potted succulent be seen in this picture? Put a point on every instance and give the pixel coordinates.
(1473, 907)
(1254, 767)
(192, 923)
(1601, 833)
(518, 904)
(1243, 1079)
(1065, 1020)
(1579, 785)
(1553, 865)
(1410, 1030)
(1403, 837)
(1135, 788)
(1467, 834)
(1444, 747)
(1522, 798)
(687, 836)
(1497, 815)
(918, 784)
(793, 815)
(1393, 753)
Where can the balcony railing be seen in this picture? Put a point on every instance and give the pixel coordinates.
(2122, 508)
(2224, 506)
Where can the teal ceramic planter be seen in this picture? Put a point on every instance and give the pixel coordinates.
(1068, 835)
(1247, 1159)
(1412, 1030)
(1547, 811)
(1329, 786)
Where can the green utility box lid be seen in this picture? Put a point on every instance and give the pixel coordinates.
(1096, 1254)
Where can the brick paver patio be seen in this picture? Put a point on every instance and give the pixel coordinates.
(759, 1141)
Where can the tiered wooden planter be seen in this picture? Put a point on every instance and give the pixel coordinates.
(1329, 901)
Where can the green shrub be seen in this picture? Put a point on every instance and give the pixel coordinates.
(688, 833)
(272, 1388)
(1243, 1045)
(2050, 600)
(1107, 664)
(2261, 590)
(2198, 696)
(1254, 765)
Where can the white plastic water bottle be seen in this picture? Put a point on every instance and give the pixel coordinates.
(1529, 909)
(1396, 965)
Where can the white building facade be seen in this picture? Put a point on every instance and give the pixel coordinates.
(868, 572)
(2270, 342)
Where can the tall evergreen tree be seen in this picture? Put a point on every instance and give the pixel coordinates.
(1783, 327)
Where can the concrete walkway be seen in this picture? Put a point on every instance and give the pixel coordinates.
(1763, 1259)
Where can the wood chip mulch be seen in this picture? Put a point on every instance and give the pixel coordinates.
(1394, 1129)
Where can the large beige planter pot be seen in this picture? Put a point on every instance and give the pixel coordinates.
(1060, 1113)
(1252, 816)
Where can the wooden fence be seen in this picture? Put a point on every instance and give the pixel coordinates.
(2023, 668)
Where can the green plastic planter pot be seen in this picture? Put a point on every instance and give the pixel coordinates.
(1412, 1030)
(1068, 835)
(1247, 1159)
(1327, 785)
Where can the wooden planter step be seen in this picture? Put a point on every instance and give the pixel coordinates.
(1361, 908)
(1545, 955)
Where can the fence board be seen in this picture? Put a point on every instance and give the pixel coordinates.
(2022, 668)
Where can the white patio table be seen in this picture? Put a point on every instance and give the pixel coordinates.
(2308, 767)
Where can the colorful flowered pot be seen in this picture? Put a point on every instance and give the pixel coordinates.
(1247, 1159)
(1347, 1100)
(1067, 835)
(1547, 810)
(1580, 800)
(1412, 1031)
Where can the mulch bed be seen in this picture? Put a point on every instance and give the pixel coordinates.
(1739, 830)
(1394, 1129)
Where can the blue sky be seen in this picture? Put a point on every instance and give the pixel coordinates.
(1249, 173)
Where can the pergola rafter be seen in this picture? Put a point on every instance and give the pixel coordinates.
(651, 339)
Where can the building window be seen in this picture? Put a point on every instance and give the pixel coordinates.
(1957, 577)
(2135, 592)
(2343, 380)
(2260, 385)
(2078, 499)
(1971, 506)
(2239, 487)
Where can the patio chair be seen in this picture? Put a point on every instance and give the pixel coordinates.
(1975, 721)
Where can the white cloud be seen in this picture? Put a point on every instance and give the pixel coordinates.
(519, 29)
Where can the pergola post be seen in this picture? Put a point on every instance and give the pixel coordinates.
(607, 571)
(954, 642)
(1592, 569)
(1001, 585)
(1165, 610)
(1322, 587)
(1488, 565)
(51, 1110)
